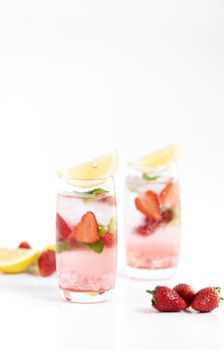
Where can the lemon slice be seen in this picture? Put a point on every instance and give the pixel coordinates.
(160, 158)
(16, 260)
(92, 173)
(50, 247)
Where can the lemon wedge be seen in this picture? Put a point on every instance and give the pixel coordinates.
(16, 260)
(50, 247)
(160, 158)
(91, 173)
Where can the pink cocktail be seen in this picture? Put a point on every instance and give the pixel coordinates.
(86, 243)
(152, 224)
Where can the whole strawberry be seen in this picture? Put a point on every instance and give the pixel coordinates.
(24, 245)
(186, 292)
(206, 299)
(47, 263)
(167, 300)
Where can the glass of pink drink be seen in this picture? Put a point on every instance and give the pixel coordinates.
(152, 223)
(86, 242)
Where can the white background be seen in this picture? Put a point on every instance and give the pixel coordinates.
(76, 79)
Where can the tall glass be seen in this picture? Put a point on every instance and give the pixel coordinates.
(86, 241)
(152, 223)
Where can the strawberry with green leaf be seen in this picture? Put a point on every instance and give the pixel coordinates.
(88, 231)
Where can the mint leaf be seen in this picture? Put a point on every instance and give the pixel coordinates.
(112, 226)
(96, 247)
(62, 246)
(102, 230)
(149, 178)
(97, 191)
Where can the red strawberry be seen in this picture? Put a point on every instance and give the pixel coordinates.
(148, 204)
(143, 230)
(169, 197)
(62, 228)
(110, 239)
(167, 215)
(148, 228)
(87, 229)
(24, 245)
(167, 300)
(47, 263)
(206, 300)
(186, 292)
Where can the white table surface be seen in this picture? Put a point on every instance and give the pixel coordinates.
(33, 316)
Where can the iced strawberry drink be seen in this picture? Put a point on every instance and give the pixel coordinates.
(152, 224)
(86, 243)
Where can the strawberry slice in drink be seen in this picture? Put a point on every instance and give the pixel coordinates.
(169, 197)
(148, 204)
(62, 228)
(87, 229)
(149, 227)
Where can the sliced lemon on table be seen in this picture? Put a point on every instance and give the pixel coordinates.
(91, 173)
(16, 260)
(160, 158)
(50, 247)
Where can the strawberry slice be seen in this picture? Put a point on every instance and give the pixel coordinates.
(169, 197)
(149, 227)
(62, 228)
(148, 204)
(87, 229)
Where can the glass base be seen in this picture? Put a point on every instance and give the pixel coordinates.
(86, 297)
(147, 274)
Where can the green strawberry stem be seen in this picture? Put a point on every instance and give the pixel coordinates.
(150, 291)
(218, 289)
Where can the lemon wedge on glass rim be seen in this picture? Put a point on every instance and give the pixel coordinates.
(91, 173)
(158, 159)
(16, 260)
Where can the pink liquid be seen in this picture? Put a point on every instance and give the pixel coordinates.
(156, 251)
(79, 268)
(83, 271)
(158, 246)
